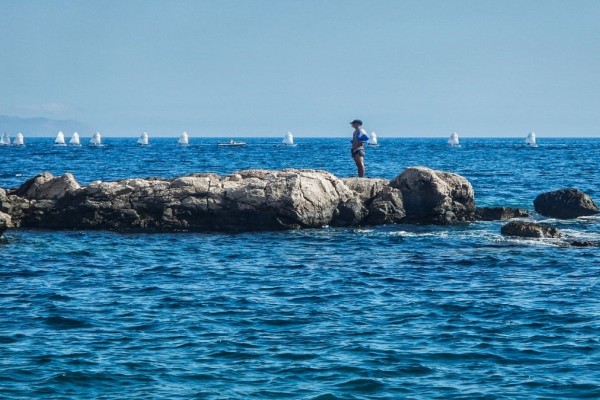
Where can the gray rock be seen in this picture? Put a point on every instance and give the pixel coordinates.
(431, 196)
(5, 222)
(584, 243)
(530, 230)
(246, 200)
(47, 187)
(5, 205)
(386, 208)
(28, 188)
(366, 189)
(499, 213)
(250, 200)
(349, 213)
(382, 204)
(565, 204)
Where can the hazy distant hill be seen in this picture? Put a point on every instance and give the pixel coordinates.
(39, 126)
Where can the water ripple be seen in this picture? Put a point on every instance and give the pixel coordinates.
(414, 312)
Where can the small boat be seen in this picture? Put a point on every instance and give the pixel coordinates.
(453, 140)
(75, 140)
(143, 140)
(5, 139)
(96, 140)
(19, 140)
(288, 139)
(232, 143)
(531, 140)
(184, 139)
(373, 139)
(60, 139)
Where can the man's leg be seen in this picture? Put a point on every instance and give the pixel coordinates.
(360, 165)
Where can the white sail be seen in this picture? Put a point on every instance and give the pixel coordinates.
(143, 140)
(60, 139)
(19, 140)
(5, 139)
(288, 139)
(373, 139)
(453, 139)
(96, 139)
(75, 140)
(184, 139)
(531, 140)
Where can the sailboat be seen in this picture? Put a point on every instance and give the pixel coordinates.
(453, 140)
(60, 139)
(531, 140)
(288, 139)
(143, 140)
(19, 140)
(96, 140)
(184, 139)
(5, 140)
(373, 139)
(75, 140)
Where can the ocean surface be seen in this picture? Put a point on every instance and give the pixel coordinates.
(392, 312)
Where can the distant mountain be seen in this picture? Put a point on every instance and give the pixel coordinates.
(39, 126)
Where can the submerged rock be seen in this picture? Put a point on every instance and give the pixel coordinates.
(584, 243)
(565, 204)
(499, 213)
(530, 230)
(435, 196)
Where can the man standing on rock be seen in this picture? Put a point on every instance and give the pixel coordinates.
(359, 138)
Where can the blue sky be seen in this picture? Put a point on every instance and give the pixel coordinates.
(233, 68)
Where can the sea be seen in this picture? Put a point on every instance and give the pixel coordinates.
(389, 312)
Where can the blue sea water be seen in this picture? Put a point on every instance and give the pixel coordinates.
(411, 312)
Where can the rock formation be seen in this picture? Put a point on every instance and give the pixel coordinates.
(499, 213)
(435, 196)
(256, 200)
(530, 230)
(584, 243)
(247, 200)
(5, 222)
(565, 204)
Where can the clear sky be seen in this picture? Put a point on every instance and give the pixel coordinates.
(251, 67)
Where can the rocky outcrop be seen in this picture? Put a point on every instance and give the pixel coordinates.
(47, 187)
(382, 203)
(5, 222)
(247, 200)
(435, 196)
(268, 200)
(584, 243)
(5, 207)
(565, 204)
(530, 230)
(499, 213)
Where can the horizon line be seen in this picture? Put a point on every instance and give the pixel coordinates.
(325, 137)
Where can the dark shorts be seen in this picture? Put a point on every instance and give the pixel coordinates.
(358, 152)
